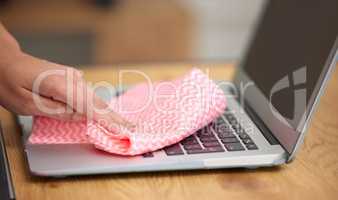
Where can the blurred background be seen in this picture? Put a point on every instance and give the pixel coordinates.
(113, 32)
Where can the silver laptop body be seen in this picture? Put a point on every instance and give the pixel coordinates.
(265, 137)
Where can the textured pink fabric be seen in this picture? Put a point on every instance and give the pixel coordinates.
(164, 114)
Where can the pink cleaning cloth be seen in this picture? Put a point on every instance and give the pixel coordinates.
(164, 114)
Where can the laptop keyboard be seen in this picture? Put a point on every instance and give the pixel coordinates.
(219, 136)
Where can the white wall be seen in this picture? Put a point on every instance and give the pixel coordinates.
(222, 26)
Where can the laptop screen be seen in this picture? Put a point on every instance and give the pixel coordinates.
(289, 52)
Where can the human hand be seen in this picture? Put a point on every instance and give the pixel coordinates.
(54, 96)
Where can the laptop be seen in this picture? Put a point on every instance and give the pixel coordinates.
(270, 103)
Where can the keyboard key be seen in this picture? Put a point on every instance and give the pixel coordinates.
(229, 140)
(240, 130)
(211, 144)
(196, 151)
(206, 150)
(202, 134)
(190, 138)
(208, 139)
(223, 129)
(235, 125)
(233, 122)
(214, 149)
(189, 141)
(243, 136)
(234, 146)
(230, 117)
(225, 135)
(148, 155)
(174, 146)
(251, 146)
(205, 132)
(220, 124)
(247, 141)
(174, 150)
(192, 146)
(207, 136)
(220, 120)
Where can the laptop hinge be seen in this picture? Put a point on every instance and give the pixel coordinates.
(261, 126)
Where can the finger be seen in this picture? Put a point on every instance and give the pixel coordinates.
(77, 95)
(94, 107)
(64, 86)
(108, 114)
(40, 106)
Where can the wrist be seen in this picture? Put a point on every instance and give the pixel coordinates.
(10, 49)
(10, 57)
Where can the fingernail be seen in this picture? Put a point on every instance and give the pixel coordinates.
(78, 118)
(130, 126)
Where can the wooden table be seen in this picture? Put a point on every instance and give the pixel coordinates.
(313, 175)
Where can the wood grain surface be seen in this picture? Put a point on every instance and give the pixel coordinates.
(313, 174)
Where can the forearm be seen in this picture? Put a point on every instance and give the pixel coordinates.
(9, 47)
